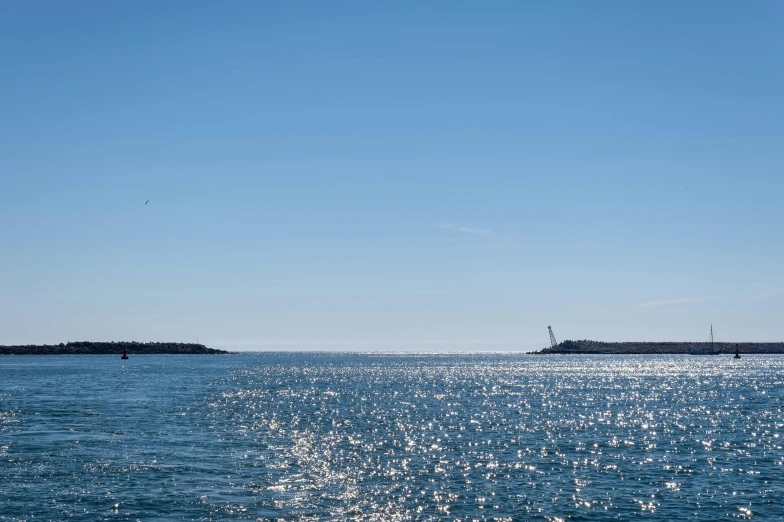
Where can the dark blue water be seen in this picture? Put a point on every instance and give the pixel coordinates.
(391, 437)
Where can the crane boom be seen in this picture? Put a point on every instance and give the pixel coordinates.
(553, 342)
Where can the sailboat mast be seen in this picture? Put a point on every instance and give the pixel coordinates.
(711, 337)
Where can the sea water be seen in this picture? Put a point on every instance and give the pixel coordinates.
(297, 436)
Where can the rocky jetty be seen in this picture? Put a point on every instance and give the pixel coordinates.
(108, 348)
(599, 347)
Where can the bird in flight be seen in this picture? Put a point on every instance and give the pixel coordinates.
(146, 201)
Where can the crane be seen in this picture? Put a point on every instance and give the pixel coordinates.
(553, 342)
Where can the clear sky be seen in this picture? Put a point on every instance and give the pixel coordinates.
(391, 175)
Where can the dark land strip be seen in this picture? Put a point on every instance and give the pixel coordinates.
(695, 348)
(108, 348)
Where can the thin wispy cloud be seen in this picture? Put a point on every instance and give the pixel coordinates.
(668, 302)
(484, 232)
(685, 300)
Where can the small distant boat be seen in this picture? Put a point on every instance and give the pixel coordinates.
(737, 352)
(712, 351)
(125, 354)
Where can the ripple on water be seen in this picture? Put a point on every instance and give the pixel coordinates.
(395, 437)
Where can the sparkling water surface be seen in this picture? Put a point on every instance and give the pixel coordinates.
(297, 436)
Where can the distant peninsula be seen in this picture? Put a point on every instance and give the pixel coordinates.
(698, 348)
(108, 348)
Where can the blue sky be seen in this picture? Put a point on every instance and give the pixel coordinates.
(412, 176)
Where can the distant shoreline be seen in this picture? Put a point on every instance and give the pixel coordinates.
(110, 348)
(652, 348)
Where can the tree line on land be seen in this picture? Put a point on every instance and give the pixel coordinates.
(587, 346)
(107, 348)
